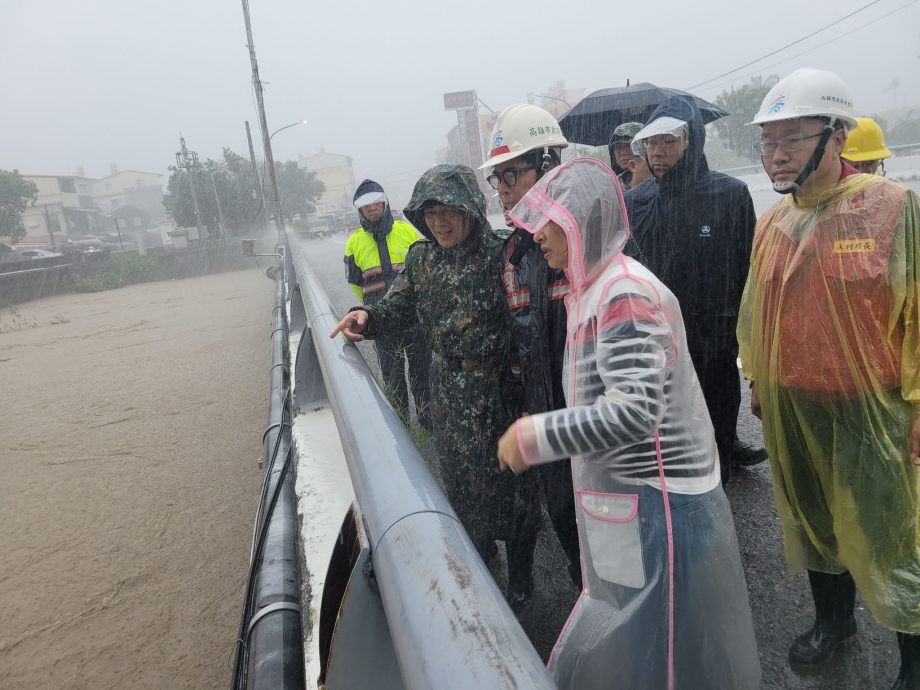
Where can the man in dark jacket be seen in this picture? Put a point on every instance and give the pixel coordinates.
(694, 228)
(526, 142)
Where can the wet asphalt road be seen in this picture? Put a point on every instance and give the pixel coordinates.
(780, 601)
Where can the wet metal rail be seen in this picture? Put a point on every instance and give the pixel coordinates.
(404, 549)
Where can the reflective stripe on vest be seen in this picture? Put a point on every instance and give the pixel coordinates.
(516, 296)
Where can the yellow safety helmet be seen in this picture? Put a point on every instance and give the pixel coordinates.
(866, 142)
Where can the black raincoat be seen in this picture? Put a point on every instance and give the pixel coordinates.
(694, 229)
(534, 295)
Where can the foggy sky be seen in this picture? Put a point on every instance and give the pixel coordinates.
(115, 81)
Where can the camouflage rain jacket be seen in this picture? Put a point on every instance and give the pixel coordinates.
(455, 296)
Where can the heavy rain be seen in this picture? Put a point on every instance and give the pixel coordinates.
(489, 345)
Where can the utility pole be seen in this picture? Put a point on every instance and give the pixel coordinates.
(118, 230)
(269, 159)
(188, 161)
(48, 224)
(220, 212)
(255, 172)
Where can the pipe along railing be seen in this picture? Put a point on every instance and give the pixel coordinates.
(405, 552)
(269, 649)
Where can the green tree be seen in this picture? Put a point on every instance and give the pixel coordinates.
(235, 185)
(16, 195)
(904, 131)
(299, 189)
(742, 104)
(237, 188)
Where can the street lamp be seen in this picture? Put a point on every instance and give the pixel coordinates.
(220, 213)
(280, 129)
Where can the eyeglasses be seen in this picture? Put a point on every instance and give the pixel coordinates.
(788, 144)
(509, 176)
(865, 166)
(441, 214)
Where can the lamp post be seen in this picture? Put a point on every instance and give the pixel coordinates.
(281, 129)
(277, 209)
(220, 212)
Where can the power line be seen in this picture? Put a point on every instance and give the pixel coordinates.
(788, 45)
(820, 45)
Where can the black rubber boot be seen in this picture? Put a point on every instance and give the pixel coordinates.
(909, 677)
(744, 455)
(835, 600)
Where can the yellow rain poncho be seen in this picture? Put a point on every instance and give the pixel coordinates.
(828, 332)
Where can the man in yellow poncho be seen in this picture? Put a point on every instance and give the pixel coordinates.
(829, 334)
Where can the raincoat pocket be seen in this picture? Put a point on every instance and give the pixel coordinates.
(613, 535)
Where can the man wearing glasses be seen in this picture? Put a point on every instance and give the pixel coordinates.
(525, 143)
(830, 338)
(632, 170)
(694, 230)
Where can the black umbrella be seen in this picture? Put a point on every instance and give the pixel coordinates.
(595, 116)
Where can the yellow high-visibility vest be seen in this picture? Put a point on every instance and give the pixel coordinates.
(365, 275)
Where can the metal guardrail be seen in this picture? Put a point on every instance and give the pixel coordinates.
(449, 624)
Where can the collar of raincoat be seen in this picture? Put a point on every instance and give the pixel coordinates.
(584, 198)
(449, 185)
(844, 186)
(692, 165)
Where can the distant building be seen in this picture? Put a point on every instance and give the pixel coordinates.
(64, 207)
(75, 205)
(334, 170)
(142, 190)
(455, 153)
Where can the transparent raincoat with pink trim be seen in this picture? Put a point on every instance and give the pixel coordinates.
(665, 603)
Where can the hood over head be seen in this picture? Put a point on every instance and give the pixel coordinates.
(584, 198)
(448, 185)
(692, 163)
(370, 192)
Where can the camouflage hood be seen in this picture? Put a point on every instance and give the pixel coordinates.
(448, 185)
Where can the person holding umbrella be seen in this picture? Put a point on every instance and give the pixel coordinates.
(621, 153)
(694, 230)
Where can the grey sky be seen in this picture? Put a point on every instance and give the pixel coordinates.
(115, 81)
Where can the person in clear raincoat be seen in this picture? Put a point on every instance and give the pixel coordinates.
(665, 602)
(829, 334)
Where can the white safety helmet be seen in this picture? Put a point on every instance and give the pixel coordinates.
(808, 92)
(522, 128)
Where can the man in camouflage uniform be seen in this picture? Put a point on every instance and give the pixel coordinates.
(450, 287)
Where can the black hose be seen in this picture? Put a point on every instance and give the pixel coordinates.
(268, 527)
(241, 640)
